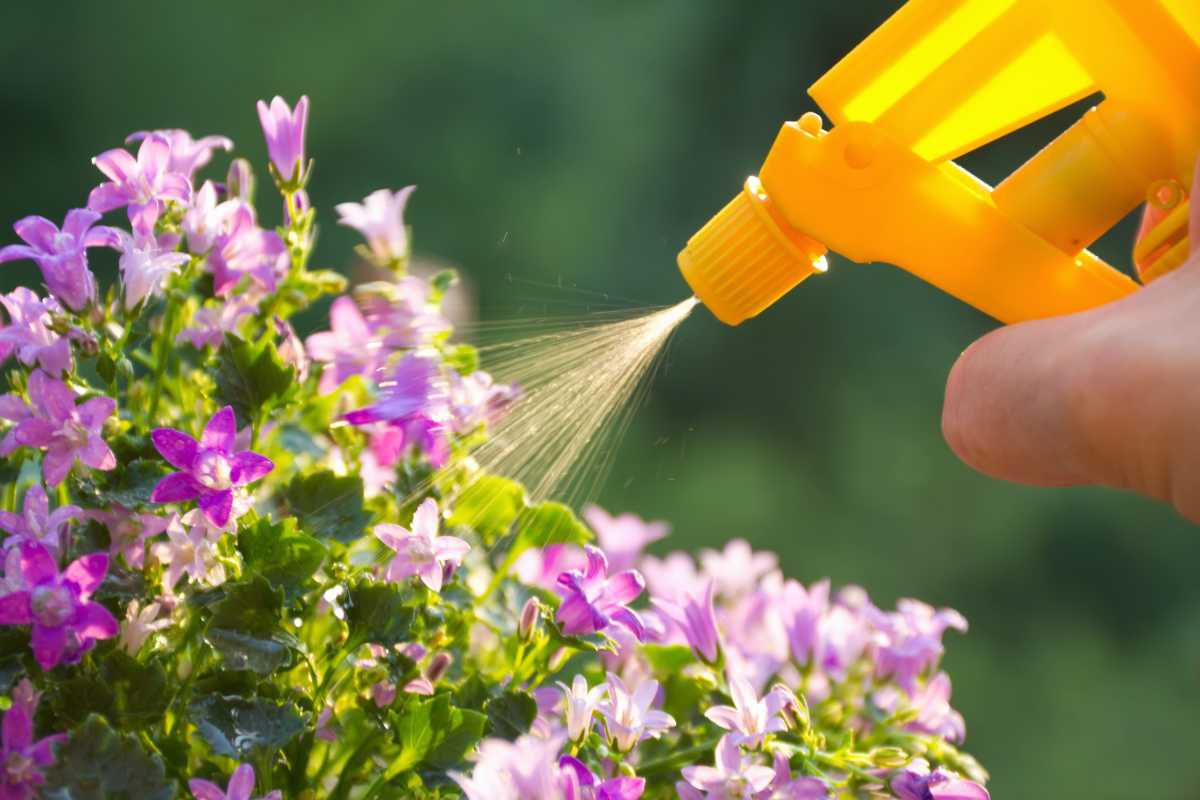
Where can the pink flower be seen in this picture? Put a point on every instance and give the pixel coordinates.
(347, 348)
(37, 523)
(697, 619)
(623, 537)
(750, 717)
(66, 623)
(737, 569)
(144, 265)
(476, 399)
(187, 154)
(400, 312)
(592, 600)
(628, 717)
(580, 703)
(190, 549)
(916, 782)
(283, 129)
(380, 219)
(241, 786)
(128, 532)
(65, 431)
(21, 758)
(673, 576)
(733, 777)
(421, 551)
(28, 335)
(62, 255)
(325, 730)
(209, 325)
(911, 639)
(144, 184)
(210, 468)
(785, 787)
(244, 249)
(931, 703)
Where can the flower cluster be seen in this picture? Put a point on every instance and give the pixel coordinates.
(243, 563)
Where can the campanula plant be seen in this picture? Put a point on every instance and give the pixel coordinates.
(241, 563)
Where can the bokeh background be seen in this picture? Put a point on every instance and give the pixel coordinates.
(567, 150)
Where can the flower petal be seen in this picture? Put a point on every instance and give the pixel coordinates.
(52, 396)
(96, 622)
(48, 645)
(87, 572)
(247, 467)
(107, 196)
(425, 518)
(118, 164)
(217, 506)
(623, 588)
(15, 610)
(78, 220)
(37, 232)
(56, 463)
(34, 432)
(97, 454)
(175, 446)
(176, 488)
(16, 252)
(205, 790)
(726, 717)
(241, 784)
(94, 412)
(220, 432)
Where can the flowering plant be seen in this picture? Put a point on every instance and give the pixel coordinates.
(241, 564)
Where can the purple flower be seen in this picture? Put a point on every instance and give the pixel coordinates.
(476, 399)
(29, 336)
(347, 348)
(239, 180)
(421, 551)
(785, 787)
(380, 219)
(628, 717)
(244, 249)
(916, 782)
(66, 623)
(144, 184)
(144, 265)
(582, 783)
(62, 255)
(325, 721)
(697, 619)
(13, 409)
(526, 769)
(737, 569)
(21, 758)
(210, 469)
(400, 313)
(67, 432)
(37, 523)
(911, 639)
(803, 611)
(187, 154)
(206, 219)
(283, 129)
(931, 702)
(592, 600)
(128, 532)
(209, 325)
(625, 536)
(241, 786)
(580, 704)
(750, 717)
(673, 576)
(733, 777)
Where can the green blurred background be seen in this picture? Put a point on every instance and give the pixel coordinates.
(565, 150)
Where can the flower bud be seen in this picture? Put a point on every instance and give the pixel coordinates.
(795, 709)
(438, 666)
(528, 624)
(889, 757)
(239, 182)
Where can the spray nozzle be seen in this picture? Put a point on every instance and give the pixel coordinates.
(746, 257)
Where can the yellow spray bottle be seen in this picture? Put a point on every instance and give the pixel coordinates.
(937, 80)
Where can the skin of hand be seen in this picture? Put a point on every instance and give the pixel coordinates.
(1109, 396)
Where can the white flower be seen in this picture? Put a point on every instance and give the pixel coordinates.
(733, 777)
(629, 717)
(752, 717)
(139, 623)
(191, 550)
(144, 265)
(580, 702)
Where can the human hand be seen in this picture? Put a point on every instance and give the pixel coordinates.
(1109, 396)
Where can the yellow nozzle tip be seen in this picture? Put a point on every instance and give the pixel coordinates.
(744, 259)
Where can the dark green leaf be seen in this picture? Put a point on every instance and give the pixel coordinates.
(328, 506)
(251, 377)
(121, 688)
(550, 523)
(253, 606)
(283, 555)
(241, 727)
(97, 763)
(436, 733)
(129, 486)
(489, 506)
(245, 628)
(261, 654)
(377, 612)
(510, 714)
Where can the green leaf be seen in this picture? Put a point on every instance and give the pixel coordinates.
(283, 555)
(245, 628)
(510, 714)
(98, 763)
(489, 506)
(550, 523)
(435, 733)
(251, 377)
(121, 688)
(241, 727)
(667, 659)
(328, 506)
(378, 612)
(441, 283)
(130, 485)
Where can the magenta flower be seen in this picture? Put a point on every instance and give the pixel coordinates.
(911, 639)
(62, 255)
(37, 523)
(28, 335)
(144, 184)
(697, 619)
(211, 470)
(421, 551)
(65, 431)
(21, 758)
(187, 154)
(347, 348)
(785, 787)
(283, 129)
(916, 782)
(750, 718)
(241, 786)
(733, 777)
(582, 784)
(66, 623)
(592, 600)
(144, 265)
(244, 249)
(380, 219)
(128, 532)
(209, 325)
(629, 718)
